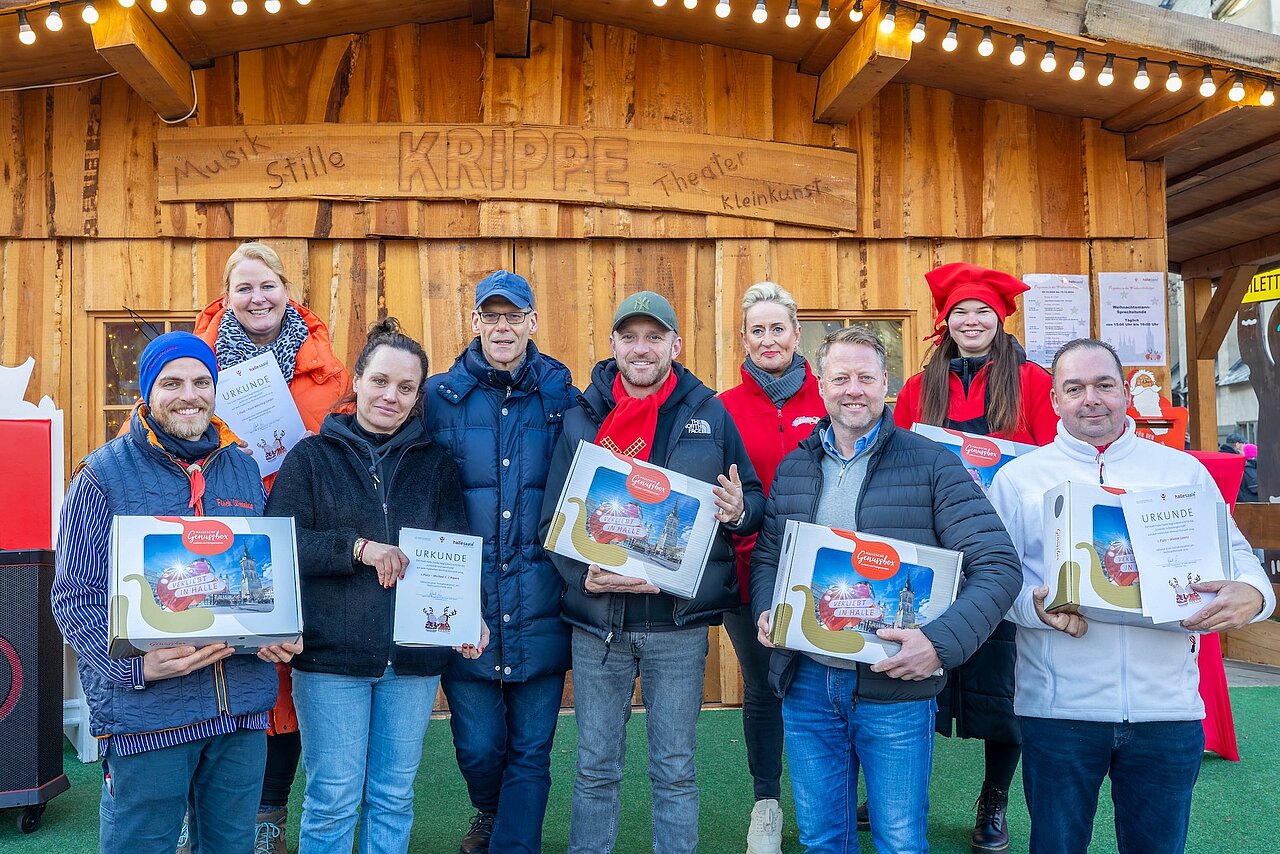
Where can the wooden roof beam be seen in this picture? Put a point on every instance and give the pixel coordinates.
(862, 68)
(833, 39)
(1241, 158)
(1155, 141)
(1254, 198)
(1261, 251)
(511, 28)
(1221, 311)
(132, 45)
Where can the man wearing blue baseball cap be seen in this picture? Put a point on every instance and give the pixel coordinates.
(177, 723)
(498, 410)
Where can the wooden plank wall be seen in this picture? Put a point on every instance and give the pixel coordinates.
(943, 178)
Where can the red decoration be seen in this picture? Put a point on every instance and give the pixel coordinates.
(1119, 565)
(613, 523)
(181, 587)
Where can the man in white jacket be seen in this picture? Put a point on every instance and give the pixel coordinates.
(1099, 699)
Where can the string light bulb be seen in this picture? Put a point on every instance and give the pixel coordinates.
(691, 4)
(199, 7)
(272, 6)
(1049, 62)
(1142, 80)
(1236, 92)
(760, 15)
(722, 9)
(1019, 53)
(1174, 81)
(823, 21)
(1077, 67)
(241, 7)
(855, 14)
(26, 35)
(890, 19)
(951, 41)
(985, 47)
(1107, 75)
(917, 32)
(793, 15)
(1207, 86)
(128, 4)
(53, 22)
(159, 6)
(304, 2)
(1268, 96)
(88, 13)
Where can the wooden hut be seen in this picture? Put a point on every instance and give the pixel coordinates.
(397, 152)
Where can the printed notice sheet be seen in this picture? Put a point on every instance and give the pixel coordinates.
(1132, 316)
(1176, 542)
(1056, 310)
(254, 400)
(438, 600)
(636, 519)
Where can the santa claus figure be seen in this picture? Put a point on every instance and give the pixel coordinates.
(1146, 397)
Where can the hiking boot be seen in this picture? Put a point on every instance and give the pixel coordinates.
(990, 832)
(477, 839)
(268, 834)
(864, 817)
(184, 837)
(764, 836)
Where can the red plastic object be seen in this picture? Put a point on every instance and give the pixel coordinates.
(26, 488)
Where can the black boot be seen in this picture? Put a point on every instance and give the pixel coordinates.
(864, 817)
(477, 839)
(990, 831)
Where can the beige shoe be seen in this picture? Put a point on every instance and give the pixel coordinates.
(268, 834)
(764, 836)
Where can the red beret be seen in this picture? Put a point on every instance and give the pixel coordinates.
(952, 284)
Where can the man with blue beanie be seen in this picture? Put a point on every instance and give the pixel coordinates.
(179, 723)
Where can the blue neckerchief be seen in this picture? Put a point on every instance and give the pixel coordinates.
(829, 443)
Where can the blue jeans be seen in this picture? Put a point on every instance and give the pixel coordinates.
(670, 666)
(829, 733)
(503, 733)
(361, 744)
(146, 796)
(1153, 768)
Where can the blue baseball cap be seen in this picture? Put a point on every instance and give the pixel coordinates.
(164, 349)
(506, 284)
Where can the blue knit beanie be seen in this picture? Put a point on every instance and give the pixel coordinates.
(164, 349)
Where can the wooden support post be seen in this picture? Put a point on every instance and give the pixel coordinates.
(862, 68)
(511, 28)
(1220, 313)
(1202, 390)
(131, 44)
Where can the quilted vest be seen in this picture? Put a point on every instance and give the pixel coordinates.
(139, 478)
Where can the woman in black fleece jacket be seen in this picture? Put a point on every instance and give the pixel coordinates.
(363, 702)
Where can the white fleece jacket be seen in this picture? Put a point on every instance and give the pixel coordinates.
(1113, 673)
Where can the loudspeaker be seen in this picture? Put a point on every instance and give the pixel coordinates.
(30, 681)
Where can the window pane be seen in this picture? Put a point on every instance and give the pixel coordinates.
(124, 344)
(182, 326)
(113, 420)
(890, 331)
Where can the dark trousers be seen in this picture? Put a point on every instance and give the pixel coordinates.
(761, 708)
(1153, 768)
(283, 752)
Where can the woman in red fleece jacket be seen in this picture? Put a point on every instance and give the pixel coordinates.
(774, 408)
(978, 380)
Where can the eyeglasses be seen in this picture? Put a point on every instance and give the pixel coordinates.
(514, 318)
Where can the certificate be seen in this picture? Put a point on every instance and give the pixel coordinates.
(1177, 541)
(438, 600)
(254, 400)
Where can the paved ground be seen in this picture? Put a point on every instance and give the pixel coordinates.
(1243, 675)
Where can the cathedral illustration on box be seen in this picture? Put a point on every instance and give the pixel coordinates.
(657, 531)
(845, 600)
(236, 581)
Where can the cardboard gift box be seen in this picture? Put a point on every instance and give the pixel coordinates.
(636, 519)
(982, 456)
(1089, 560)
(836, 588)
(201, 580)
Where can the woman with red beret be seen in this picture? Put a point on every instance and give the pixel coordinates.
(978, 380)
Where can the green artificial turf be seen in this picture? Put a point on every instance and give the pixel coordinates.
(1234, 810)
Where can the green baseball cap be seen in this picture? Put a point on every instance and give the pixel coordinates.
(648, 304)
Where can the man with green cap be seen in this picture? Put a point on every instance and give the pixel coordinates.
(643, 404)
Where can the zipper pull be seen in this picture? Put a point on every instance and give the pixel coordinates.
(373, 473)
(782, 428)
(1100, 480)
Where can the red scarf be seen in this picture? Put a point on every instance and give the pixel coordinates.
(628, 430)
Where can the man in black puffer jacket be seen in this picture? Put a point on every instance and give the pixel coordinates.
(645, 405)
(859, 472)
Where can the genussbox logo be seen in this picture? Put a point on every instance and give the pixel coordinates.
(203, 536)
(875, 561)
(976, 450)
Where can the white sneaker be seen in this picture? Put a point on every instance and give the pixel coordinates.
(764, 836)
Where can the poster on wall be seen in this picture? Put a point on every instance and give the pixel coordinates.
(1056, 310)
(1132, 316)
